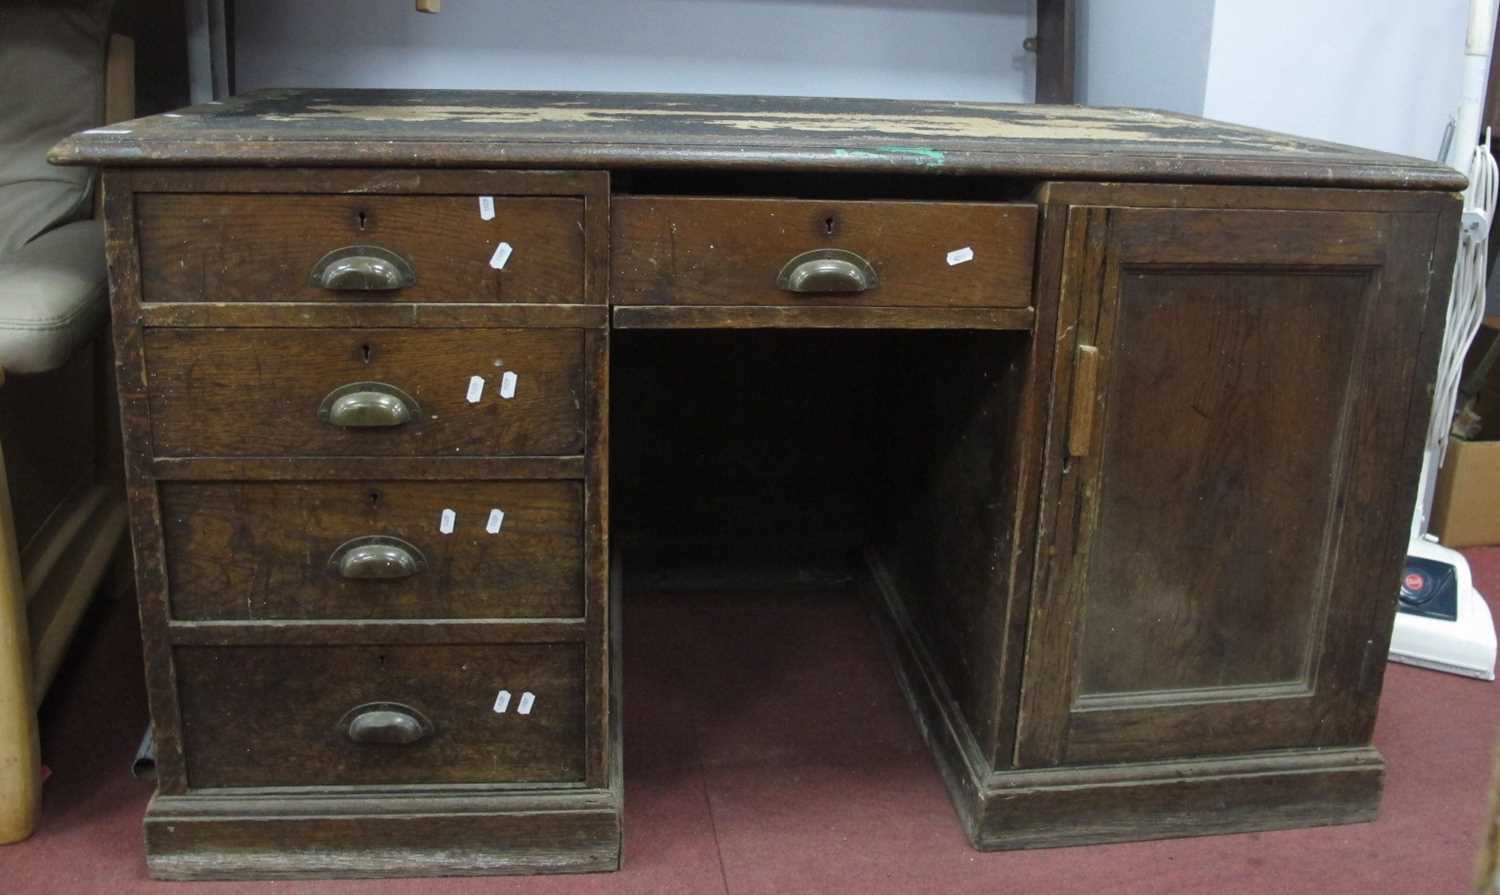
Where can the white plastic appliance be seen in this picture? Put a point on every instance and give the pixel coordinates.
(1443, 622)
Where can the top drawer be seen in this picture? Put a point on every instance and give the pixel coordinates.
(429, 248)
(702, 251)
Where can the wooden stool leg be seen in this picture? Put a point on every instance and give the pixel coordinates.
(20, 749)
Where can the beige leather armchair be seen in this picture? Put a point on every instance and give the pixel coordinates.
(62, 518)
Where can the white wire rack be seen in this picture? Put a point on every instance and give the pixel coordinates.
(1466, 308)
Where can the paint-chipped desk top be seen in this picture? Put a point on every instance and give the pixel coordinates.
(622, 130)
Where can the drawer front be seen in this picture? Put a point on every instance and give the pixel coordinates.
(696, 251)
(373, 550)
(281, 716)
(300, 392)
(209, 247)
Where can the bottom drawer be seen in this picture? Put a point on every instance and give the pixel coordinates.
(351, 715)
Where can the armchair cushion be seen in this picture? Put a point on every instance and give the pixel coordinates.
(52, 63)
(52, 297)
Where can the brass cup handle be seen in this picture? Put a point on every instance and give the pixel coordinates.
(368, 405)
(827, 270)
(363, 268)
(376, 558)
(385, 723)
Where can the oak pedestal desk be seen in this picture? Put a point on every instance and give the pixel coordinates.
(1115, 416)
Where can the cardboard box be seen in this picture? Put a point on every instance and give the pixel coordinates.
(1466, 505)
(1466, 508)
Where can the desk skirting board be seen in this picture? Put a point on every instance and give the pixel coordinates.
(1114, 416)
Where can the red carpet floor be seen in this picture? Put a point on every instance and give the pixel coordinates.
(769, 751)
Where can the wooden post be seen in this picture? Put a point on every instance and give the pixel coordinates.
(1054, 51)
(119, 79)
(20, 747)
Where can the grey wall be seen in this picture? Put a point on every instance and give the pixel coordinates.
(1385, 74)
(1376, 73)
(941, 49)
(1151, 53)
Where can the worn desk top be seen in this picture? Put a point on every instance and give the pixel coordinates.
(619, 130)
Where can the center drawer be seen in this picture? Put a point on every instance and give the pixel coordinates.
(365, 392)
(372, 715)
(684, 250)
(373, 550)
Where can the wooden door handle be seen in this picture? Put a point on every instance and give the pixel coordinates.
(1085, 401)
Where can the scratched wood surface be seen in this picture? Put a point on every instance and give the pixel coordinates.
(248, 722)
(242, 551)
(1004, 553)
(567, 130)
(1238, 502)
(1203, 677)
(256, 392)
(224, 248)
(689, 250)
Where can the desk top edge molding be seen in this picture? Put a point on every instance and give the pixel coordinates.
(448, 128)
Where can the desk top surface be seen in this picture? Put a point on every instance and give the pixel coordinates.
(622, 130)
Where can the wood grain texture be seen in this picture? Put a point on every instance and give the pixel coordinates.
(676, 250)
(1012, 809)
(262, 550)
(780, 317)
(366, 180)
(1301, 788)
(1227, 392)
(1240, 394)
(1043, 693)
(1028, 441)
(944, 724)
(950, 473)
(215, 247)
(247, 722)
(1278, 791)
(243, 665)
(1367, 648)
(437, 128)
(1100, 644)
(149, 553)
(1056, 51)
(245, 836)
(256, 392)
(311, 469)
(348, 315)
(1084, 404)
(422, 631)
(601, 672)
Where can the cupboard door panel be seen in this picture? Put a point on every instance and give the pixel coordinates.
(1231, 481)
(1222, 439)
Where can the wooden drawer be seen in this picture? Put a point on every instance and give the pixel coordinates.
(265, 392)
(273, 716)
(697, 251)
(297, 550)
(211, 247)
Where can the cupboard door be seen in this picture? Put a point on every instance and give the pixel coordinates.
(1233, 476)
